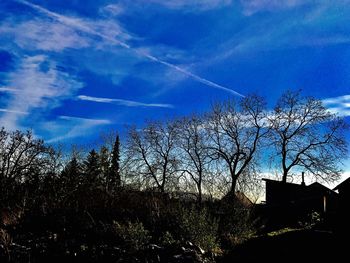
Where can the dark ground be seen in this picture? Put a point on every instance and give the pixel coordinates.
(293, 246)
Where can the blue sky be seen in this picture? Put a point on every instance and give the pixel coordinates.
(72, 69)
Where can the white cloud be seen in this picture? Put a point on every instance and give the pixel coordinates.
(9, 89)
(283, 33)
(122, 102)
(194, 5)
(112, 10)
(14, 111)
(86, 120)
(338, 105)
(183, 5)
(73, 127)
(251, 7)
(41, 34)
(36, 85)
(62, 32)
(110, 36)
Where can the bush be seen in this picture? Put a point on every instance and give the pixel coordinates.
(194, 225)
(132, 236)
(167, 239)
(236, 224)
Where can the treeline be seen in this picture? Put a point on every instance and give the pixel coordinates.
(115, 202)
(213, 153)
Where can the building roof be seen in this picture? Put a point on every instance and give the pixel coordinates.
(278, 192)
(345, 183)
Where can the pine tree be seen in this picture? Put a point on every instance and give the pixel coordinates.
(92, 168)
(114, 174)
(71, 175)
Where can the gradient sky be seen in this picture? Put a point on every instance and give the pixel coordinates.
(71, 69)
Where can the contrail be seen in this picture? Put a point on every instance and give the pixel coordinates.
(77, 24)
(122, 102)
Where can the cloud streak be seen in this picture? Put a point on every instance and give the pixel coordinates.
(87, 120)
(338, 105)
(77, 127)
(251, 7)
(85, 27)
(193, 5)
(122, 102)
(35, 85)
(9, 90)
(14, 111)
(41, 34)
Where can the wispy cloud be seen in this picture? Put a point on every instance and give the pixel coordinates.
(112, 9)
(85, 27)
(73, 127)
(43, 34)
(251, 7)
(311, 27)
(87, 120)
(14, 111)
(122, 102)
(9, 90)
(36, 84)
(190, 5)
(338, 105)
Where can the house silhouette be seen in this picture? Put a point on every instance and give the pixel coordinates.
(290, 203)
(343, 213)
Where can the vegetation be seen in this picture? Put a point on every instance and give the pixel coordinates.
(157, 197)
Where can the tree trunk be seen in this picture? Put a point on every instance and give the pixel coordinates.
(284, 177)
(199, 195)
(233, 185)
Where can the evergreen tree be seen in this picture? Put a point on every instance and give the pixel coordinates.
(114, 174)
(71, 175)
(92, 168)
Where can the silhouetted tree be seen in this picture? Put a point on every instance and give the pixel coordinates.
(114, 174)
(193, 150)
(151, 153)
(307, 135)
(235, 131)
(104, 163)
(71, 175)
(92, 169)
(22, 159)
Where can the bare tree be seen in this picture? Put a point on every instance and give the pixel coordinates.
(235, 131)
(193, 151)
(20, 153)
(23, 159)
(151, 153)
(306, 135)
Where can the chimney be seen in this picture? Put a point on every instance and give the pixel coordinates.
(302, 179)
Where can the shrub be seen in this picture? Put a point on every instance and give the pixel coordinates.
(236, 224)
(192, 224)
(132, 236)
(167, 239)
